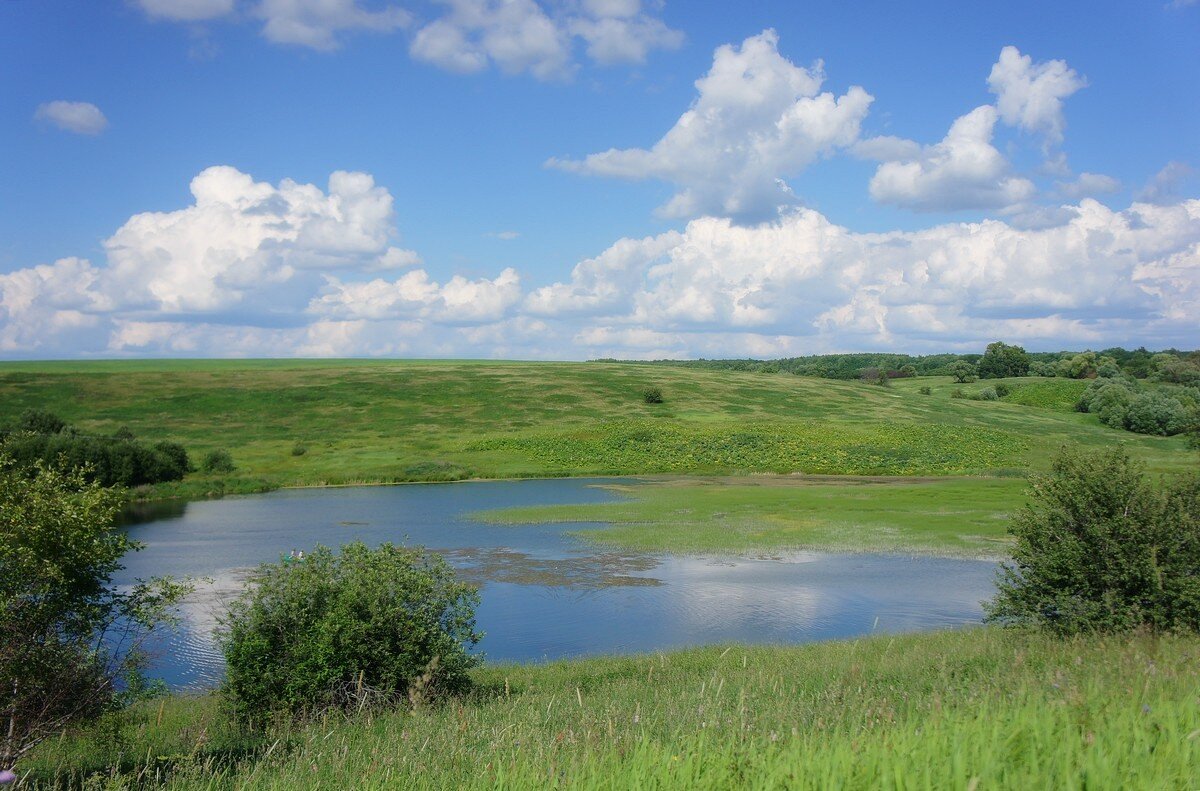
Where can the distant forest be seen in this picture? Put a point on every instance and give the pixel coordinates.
(1137, 363)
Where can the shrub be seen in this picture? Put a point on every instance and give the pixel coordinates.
(957, 393)
(1002, 389)
(925, 390)
(1101, 549)
(652, 395)
(299, 449)
(1155, 413)
(986, 394)
(68, 638)
(39, 421)
(217, 460)
(317, 632)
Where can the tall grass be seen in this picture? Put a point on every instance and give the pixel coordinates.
(981, 708)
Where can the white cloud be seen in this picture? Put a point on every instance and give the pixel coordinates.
(1031, 95)
(506, 236)
(317, 23)
(963, 171)
(243, 240)
(51, 302)
(83, 118)
(805, 284)
(526, 36)
(186, 10)
(756, 120)
(1088, 185)
(614, 35)
(414, 295)
(252, 268)
(516, 35)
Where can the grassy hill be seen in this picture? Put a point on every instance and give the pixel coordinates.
(383, 421)
(324, 422)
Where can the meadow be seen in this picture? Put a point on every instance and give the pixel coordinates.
(340, 422)
(314, 422)
(979, 708)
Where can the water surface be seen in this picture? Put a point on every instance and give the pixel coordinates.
(547, 594)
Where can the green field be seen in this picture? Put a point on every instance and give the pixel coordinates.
(981, 708)
(386, 421)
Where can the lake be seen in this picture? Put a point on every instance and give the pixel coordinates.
(545, 594)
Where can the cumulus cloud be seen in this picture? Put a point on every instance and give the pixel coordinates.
(757, 119)
(963, 171)
(243, 240)
(83, 118)
(804, 284)
(415, 295)
(1030, 95)
(252, 268)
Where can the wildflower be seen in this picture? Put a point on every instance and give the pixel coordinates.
(7, 776)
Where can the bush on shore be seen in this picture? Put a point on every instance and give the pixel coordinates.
(325, 630)
(1101, 549)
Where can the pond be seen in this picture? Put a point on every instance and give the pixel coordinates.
(545, 594)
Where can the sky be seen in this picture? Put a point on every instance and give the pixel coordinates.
(574, 179)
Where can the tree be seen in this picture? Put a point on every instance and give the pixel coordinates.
(1101, 549)
(318, 631)
(962, 371)
(69, 639)
(1000, 360)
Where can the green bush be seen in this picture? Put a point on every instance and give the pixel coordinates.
(925, 390)
(1155, 413)
(39, 421)
(986, 394)
(299, 449)
(217, 460)
(652, 395)
(1002, 389)
(333, 630)
(1102, 549)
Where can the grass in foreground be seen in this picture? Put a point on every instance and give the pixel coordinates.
(385, 420)
(981, 708)
(965, 517)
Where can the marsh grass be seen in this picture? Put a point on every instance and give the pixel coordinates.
(959, 517)
(978, 708)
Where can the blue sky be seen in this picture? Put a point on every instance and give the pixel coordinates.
(783, 178)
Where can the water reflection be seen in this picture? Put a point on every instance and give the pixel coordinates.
(546, 594)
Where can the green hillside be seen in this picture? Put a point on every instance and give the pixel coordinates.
(380, 421)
